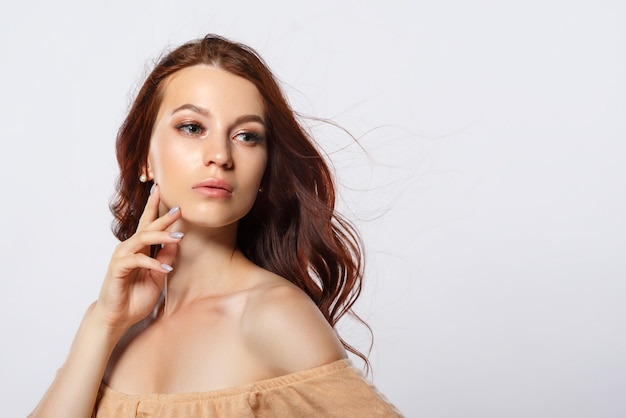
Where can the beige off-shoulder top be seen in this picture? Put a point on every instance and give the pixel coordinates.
(333, 390)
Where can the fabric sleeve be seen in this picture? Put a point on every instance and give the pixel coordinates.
(344, 393)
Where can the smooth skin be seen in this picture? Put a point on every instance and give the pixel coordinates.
(225, 322)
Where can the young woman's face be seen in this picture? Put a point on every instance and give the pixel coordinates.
(208, 149)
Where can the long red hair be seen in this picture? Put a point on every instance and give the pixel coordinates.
(293, 229)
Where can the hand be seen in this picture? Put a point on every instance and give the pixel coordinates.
(134, 280)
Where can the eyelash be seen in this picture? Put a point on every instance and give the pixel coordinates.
(200, 130)
(184, 128)
(254, 137)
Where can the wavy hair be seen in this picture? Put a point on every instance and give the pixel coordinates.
(293, 228)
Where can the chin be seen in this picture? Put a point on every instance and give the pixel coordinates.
(209, 219)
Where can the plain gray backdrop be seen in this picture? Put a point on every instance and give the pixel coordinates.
(490, 188)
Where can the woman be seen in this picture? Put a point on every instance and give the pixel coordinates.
(222, 297)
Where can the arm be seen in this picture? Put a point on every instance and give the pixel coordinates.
(130, 290)
(290, 335)
(73, 391)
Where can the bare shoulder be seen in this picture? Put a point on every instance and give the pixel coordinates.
(286, 330)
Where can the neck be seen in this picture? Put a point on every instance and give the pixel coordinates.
(206, 265)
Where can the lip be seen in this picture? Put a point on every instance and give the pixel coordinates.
(213, 188)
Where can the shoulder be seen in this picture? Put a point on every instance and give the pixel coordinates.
(283, 326)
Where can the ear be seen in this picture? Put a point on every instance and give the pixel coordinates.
(146, 170)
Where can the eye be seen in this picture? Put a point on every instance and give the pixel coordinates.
(248, 137)
(191, 128)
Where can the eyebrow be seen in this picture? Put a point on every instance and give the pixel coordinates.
(250, 118)
(205, 112)
(193, 108)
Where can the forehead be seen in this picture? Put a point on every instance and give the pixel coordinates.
(212, 88)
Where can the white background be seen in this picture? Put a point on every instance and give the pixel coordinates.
(491, 196)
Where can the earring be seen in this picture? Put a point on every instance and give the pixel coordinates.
(143, 178)
(260, 189)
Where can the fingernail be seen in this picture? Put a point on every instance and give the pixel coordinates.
(166, 267)
(152, 188)
(177, 235)
(174, 210)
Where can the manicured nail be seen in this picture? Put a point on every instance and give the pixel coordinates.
(166, 267)
(177, 235)
(174, 210)
(152, 188)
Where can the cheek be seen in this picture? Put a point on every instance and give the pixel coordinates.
(167, 159)
(262, 167)
(260, 172)
(166, 163)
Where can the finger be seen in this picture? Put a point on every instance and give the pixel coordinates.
(151, 210)
(122, 266)
(142, 240)
(167, 253)
(165, 221)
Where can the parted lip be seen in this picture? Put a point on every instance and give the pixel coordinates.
(213, 184)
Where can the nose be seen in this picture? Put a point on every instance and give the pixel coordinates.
(217, 150)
